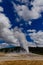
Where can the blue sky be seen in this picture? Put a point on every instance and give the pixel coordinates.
(37, 24)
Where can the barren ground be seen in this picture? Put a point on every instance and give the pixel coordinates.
(20, 59)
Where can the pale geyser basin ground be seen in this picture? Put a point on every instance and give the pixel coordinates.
(20, 59)
(19, 56)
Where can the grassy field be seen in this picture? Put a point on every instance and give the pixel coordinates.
(22, 62)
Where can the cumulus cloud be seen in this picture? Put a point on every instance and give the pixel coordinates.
(0, 0)
(38, 3)
(21, 38)
(26, 14)
(37, 37)
(8, 35)
(1, 9)
(22, 11)
(4, 21)
(5, 33)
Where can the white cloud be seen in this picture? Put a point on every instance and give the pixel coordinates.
(37, 37)
(5, 33)
(23, 12)
(38, 3)
(35, 13)
(29, 22)
(0, 0)
(1, 9)
(26, 14)
(31, 30)
(4, 21)
(32, 44)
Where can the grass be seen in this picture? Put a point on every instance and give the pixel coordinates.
(23, 62)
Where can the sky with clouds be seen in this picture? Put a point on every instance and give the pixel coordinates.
(21, 22)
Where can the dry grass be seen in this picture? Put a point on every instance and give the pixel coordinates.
(22, 62)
